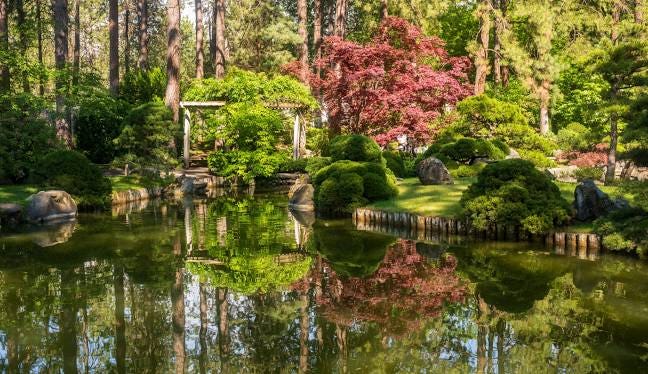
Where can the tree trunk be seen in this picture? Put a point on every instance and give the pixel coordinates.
(142, 20)
(384, 9)
(497, 43)
(302, 15)
(172, 96)
(614, 139)
(120, 321)
(177, 304)
(113, 31)
(39, 26)
(504, 68)
(481, 56)
(339, 27)
(200, 52)
(24, 40)
(67, 321)
(317, 34)
(219, 31)
(223, 329)
(5, 78)
(638, 12)
(304, 327)
(60, 13)
(127, 50)
(76, 56)
(544, 107)
(616, 19)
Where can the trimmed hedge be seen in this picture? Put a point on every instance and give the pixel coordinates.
(345, 185)
(355, 148)
(512, 193)
(73, 173)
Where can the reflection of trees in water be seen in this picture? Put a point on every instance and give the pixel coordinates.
(404, 291)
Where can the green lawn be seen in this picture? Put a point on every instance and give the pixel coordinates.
(132, 182)
(16, 193)
(567, 191)
(413, 197)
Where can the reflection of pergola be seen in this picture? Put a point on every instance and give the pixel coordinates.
(298, 130)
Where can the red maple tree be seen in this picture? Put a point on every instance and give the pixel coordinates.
(395, 85)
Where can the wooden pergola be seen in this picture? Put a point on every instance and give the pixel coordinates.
(188, 105)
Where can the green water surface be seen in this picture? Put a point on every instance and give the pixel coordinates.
(240, 284)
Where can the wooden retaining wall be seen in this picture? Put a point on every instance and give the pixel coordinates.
(414, 226)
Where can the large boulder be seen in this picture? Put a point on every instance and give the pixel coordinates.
(562, 173)
(47, 206)
(433, 171)
(591, 203)
(302, 195)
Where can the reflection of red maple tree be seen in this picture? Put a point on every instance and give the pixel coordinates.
(406, 289)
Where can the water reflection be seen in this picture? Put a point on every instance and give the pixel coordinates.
(237, 284)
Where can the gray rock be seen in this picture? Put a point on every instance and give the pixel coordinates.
(187, 185)
(433, 171)
(513, 154)
(591, 203)
(302, 195)
(562, 173)
(50, 206)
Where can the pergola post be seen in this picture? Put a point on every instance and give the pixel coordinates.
(296, 137)
(187, 138)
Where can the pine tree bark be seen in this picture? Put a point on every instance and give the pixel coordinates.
(638, 12)
(60, 14)
(302, 15)
(142, 34)
(5, 77)
(172, 96)
(481, 56)
(384, 9)
(339, 26)
(545, 98)
(127, 49)
(39, 26)
(497, 43)
(24, 39)
(200, 52)
(505, 72)
(113, 31)
(219, 31)
(317, 33)
(76, 55)
(614, 130)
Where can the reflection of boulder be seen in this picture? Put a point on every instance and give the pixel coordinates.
(50, 206)
(305, 218)
(433, 171)
(351, 253)
(53, 234)
(432, 251)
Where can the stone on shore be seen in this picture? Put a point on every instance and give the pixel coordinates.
(48, 206)
(432, 171)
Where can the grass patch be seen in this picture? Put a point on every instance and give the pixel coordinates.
(17, 193)
(134, 182)
(413, 197)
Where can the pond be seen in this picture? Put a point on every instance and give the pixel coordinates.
(238, 284)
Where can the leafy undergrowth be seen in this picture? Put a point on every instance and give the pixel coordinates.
(17, 193)
(413, 197)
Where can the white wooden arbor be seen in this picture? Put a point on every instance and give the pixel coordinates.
(188, 105)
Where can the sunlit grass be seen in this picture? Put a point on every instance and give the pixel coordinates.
(131, 182)
(442, 200)
(16, 193)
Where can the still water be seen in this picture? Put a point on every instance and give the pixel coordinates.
(239, 284)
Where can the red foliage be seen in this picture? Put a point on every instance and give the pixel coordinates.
(395, 85)
(597, 157)
(406, 289)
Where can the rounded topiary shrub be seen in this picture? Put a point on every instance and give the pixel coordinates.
(355, 148)
(514, 193)
(73, 173)
(346, 185)
(395, 163)
(466, 150)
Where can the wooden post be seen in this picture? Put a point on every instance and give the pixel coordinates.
(187, 138)
(296, 137)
